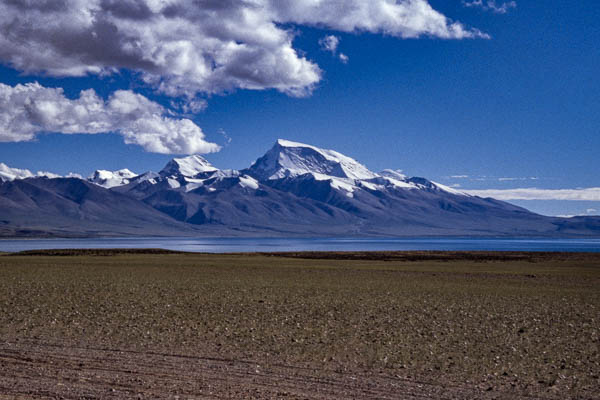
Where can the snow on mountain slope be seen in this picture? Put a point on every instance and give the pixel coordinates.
(248, 182)
(291, 159)
(394, 174)
(288, 160)
(450, 190)
(293, 189)
(189, 167)
(109, 179)
(149, 176)
(10, 174)
(186, 174)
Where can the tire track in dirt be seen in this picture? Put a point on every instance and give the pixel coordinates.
(39, 370)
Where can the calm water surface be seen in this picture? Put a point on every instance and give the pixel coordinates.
(228, 245)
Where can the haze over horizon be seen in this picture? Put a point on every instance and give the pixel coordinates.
(499, 97)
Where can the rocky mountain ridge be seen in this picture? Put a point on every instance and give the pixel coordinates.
(293, 190)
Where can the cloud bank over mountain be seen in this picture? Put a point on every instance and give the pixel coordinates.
(583, 194)
(30, 109)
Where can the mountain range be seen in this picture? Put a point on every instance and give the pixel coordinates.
(295, 189)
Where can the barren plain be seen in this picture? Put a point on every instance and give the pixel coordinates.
(410, 325)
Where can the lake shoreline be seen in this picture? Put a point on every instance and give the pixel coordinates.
(252, 245)
(404, 255)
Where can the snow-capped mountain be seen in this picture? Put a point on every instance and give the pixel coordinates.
(291, 159)
(287, 161)
(294, 189)
(188, 167)
(10, 174)
(186, 174)
(393, 174)
(110, 179)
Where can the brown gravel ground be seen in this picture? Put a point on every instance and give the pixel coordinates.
(411, 325)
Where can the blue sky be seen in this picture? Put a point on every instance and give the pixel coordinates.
(518, 110)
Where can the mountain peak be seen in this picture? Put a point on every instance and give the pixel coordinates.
(289, 143)
(290, 159)
(189, 167)
(10, 174)
(124, 173)
(109, 179)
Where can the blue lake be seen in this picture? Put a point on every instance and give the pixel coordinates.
(229, 245)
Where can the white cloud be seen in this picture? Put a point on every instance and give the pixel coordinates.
(189, 106)
(589, 212)
(329, 43)
(584, 194)
(399, 18)
(501, 8)
(505, 179)
(225, 136)
(183, 47)
(527, 178)
(26, 110)
(491, 178)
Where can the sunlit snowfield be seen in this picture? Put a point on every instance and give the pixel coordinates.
(244, 245)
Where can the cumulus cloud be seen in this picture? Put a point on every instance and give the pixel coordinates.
(183, 47)
(399, 18)
(585, 194)
(491, 5)
(30, 109)
(344, 58)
